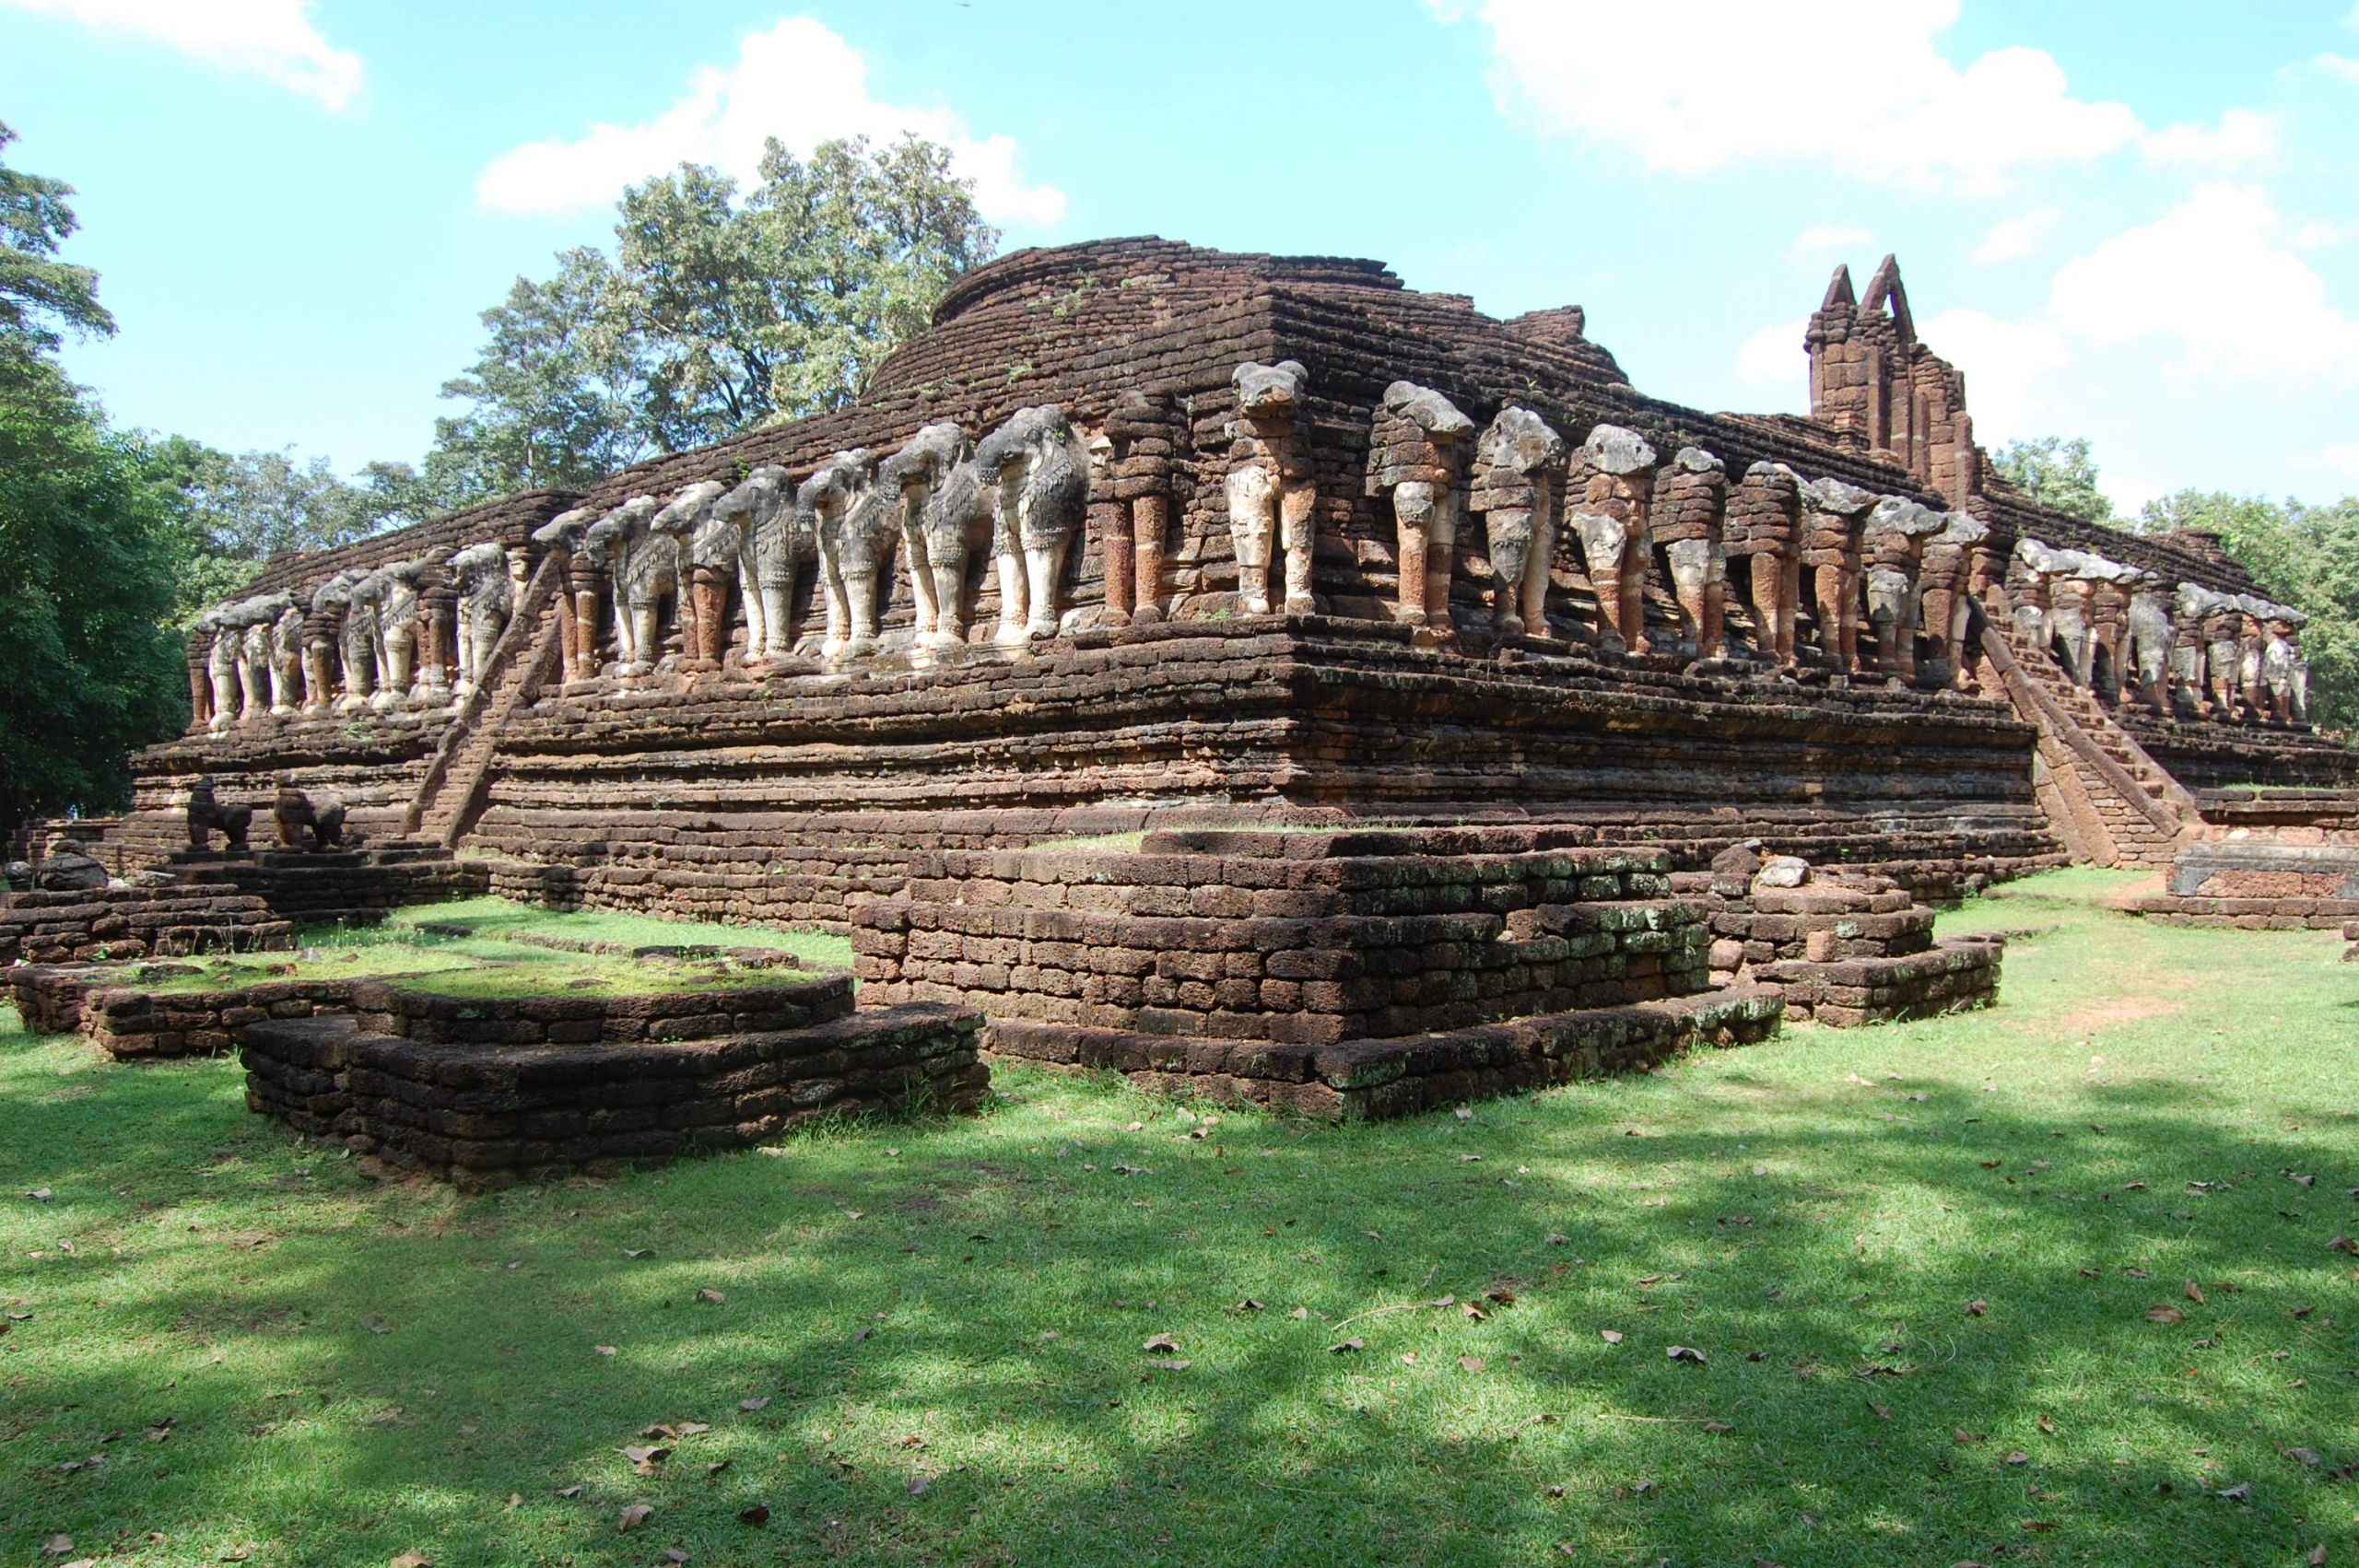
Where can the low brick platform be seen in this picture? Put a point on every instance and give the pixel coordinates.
(123, 1014)
(1353, 973)
(2258, 884)
(484, 1093)
(1367, 1079)
(136, 922)
(1956, 974)
(1844, 948)
(351, 887)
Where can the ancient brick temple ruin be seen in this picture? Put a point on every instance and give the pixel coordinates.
(1141, 536)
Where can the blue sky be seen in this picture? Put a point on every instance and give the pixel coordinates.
(2133, 221)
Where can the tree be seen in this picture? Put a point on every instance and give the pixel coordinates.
(2057, 472)
(2303, 556)
(555, 391)
(84, 552)
(714, 314)
(37, 294)
(227, 514)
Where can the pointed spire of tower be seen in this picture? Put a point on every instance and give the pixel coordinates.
(1886, 291)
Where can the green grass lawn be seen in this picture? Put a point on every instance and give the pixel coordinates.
(1923, 1266)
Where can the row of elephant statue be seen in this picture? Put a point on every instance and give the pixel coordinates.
(715, 555)
(416, 630)
(2123, 631)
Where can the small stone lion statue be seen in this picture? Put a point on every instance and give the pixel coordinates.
(207, 815)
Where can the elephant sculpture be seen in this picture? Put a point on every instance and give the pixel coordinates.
(606, 552)
(286, 654)
(852, 523)
(761, 512)
(946, 512)
(392, 593)
(254, 618)
(487, 598)
(1416, 457)
(1038, 470)
(1272, 484)
(1518, 482)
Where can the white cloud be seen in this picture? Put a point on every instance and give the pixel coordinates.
(2011, 239)
(2244, 139)
(799, 82)
(1773, 361)
(2211, 280)
(271, 38)
(2343, 65)
(1857, 86)
(2006, 365)
(1822, 245)
(2318, 234)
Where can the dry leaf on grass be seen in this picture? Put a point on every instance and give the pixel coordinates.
(633, 1516)
(709, 1293)
(759, 1514)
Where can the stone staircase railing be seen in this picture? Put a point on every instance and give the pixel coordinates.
(451, 792)
(2110, 803)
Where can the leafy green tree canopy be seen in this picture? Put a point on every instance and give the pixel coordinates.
(2057, 472)
(2303, 556)
(718, 312)
(86, 553)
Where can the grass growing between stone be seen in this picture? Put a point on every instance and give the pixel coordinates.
(494, 918)
(2052, 1283)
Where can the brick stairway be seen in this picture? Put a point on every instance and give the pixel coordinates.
(451, 795)
(2110, 802)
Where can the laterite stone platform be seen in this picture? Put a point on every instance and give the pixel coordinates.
(1344, 975)
(484, 1093)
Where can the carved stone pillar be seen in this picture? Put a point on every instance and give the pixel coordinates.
(1147, 435)
(199, 651)
(1762, 518)
(438, 633)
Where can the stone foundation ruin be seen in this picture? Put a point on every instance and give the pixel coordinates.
(484, 1093)
(1141, 537)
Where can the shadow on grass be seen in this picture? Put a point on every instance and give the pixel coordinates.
(1899, 1284)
